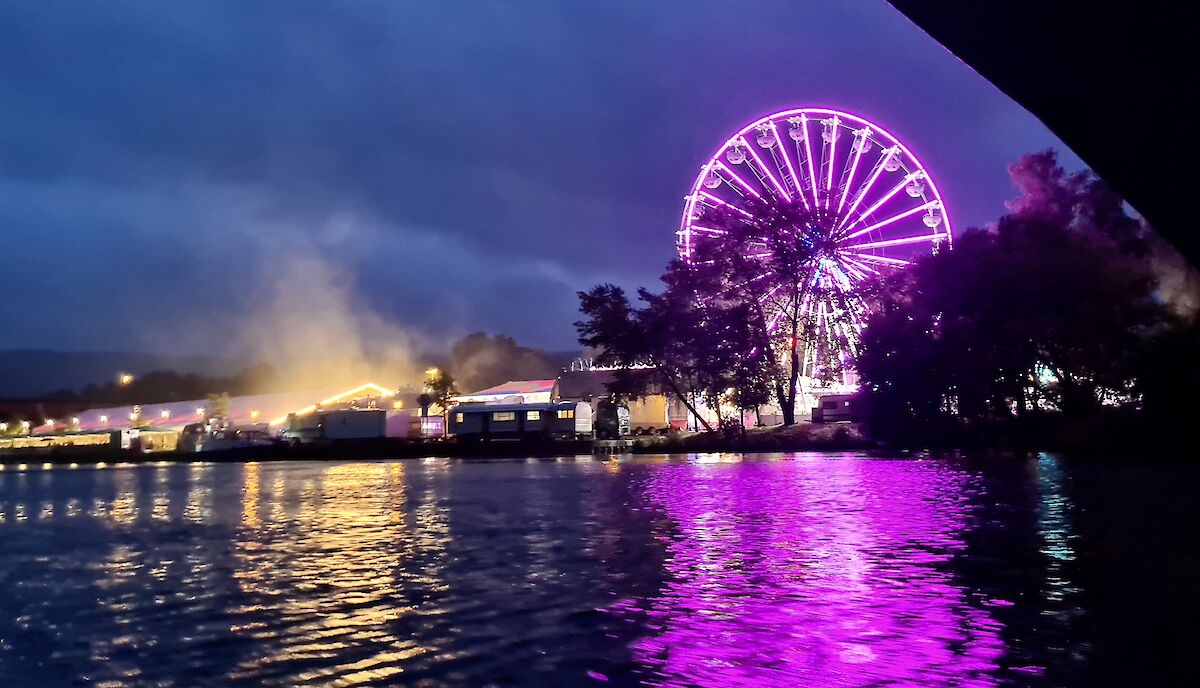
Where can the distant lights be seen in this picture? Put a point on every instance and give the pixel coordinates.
(254, 414)
(124, 379)
(103, 419)
(199, 410)
(165, 414)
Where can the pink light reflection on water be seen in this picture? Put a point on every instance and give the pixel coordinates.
(826, 572)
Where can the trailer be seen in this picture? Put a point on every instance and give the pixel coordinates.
(562, 420)
(336, 426)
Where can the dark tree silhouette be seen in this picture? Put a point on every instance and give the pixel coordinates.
(1050, 311)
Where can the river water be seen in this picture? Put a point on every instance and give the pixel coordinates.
(698, 570)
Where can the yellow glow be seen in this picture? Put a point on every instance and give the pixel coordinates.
(432, 372)
(254, 415)
(200, 411)
(397, 404)
(49, 422)
(383, 392)
(124, 378)
(75, 420)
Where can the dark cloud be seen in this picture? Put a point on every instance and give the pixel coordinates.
(471, 163)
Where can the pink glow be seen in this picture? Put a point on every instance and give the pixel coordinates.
(739, 180)
(783, 151)
(859, 265)
(893, 242)
(890, 220)
(862, 193)
(833, 137)
(782, 574)
(766, 170)
(897, 262)
(721, 202)
(708, 230)
(812, 175)
(887, 197)
(858, 151)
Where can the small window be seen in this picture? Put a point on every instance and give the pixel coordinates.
(458, 418)
(501, 416)
(566, 413)
(533, 415)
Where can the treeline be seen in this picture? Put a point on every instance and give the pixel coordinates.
(1055, 320)
(1049, 327)
(161, 386)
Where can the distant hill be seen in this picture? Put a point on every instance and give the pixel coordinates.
(34, 373)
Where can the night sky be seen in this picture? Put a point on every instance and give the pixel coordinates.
(166, 169)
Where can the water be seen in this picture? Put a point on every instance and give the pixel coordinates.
(709, 570)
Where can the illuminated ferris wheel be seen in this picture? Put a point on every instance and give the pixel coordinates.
(868, 206)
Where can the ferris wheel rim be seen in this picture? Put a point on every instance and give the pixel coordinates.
(738, 138)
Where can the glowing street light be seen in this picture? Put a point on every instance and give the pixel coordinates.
(254, 414)
(124, 379)
(165, 414)
(3, 427)
(104, 419)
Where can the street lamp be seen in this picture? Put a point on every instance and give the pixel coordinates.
(124, 379)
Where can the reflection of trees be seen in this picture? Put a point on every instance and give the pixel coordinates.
(817, 573)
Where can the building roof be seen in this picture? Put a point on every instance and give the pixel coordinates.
(512, 388)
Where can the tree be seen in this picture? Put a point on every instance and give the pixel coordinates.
(662, 334)
(1048, 311)
(440, 385)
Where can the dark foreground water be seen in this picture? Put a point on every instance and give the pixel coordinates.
(709, 570)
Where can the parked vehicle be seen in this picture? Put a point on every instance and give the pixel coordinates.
(217, 434)
(836, 408)
(563, 420)
(612, 420)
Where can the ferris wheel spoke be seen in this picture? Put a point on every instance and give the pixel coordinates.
(880, 166)
(886, 197)
(741, 182)
(796, 182)
(808, 158)
(860, 143)
(763, 166)
(859, 265)
(895, 242)
(828, 162)
(882, 260)
(727, 204)
(895, 218)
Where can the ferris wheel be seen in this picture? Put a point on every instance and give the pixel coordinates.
(867, 206)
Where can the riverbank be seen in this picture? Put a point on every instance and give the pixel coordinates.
(384, 449)
(799, 437)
